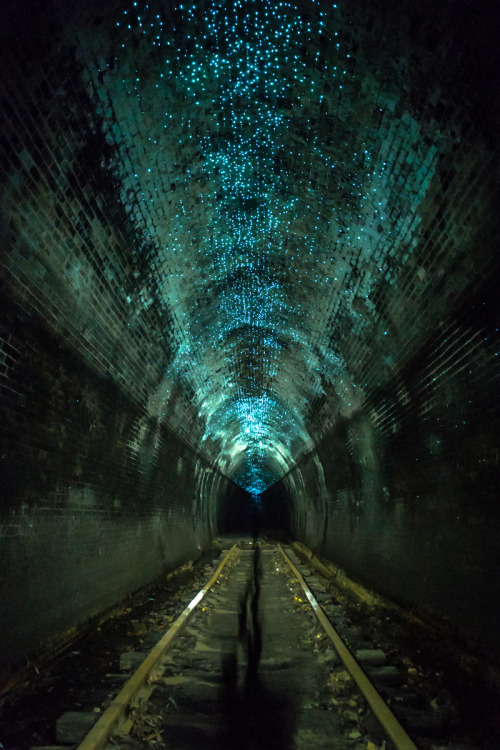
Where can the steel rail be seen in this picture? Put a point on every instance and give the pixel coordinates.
(379, 707)
(116, 712)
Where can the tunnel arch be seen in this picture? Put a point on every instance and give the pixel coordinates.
(278, 269)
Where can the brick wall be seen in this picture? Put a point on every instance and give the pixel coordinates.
(103, 481)
(132, 276)
(97, 496)
(404, 493)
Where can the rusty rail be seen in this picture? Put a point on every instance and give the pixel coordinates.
(379, 707)
(116, 713)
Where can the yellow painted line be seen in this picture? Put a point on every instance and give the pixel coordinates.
(379, 707)
(116, 712)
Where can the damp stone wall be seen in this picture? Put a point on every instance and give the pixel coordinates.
(403, 494)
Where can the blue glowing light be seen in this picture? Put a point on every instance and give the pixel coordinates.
(224, 132)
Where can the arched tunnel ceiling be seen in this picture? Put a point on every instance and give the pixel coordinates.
(283, 164)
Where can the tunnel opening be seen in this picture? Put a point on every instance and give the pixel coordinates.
(277, 510)
(268, 514)
(237, 510)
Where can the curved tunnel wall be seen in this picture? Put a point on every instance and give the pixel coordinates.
(103, 482)
(98, 498)
(404, 494)
(145, 350)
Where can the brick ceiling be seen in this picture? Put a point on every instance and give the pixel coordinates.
(308, 185)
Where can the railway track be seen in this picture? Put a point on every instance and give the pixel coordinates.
(263, 656)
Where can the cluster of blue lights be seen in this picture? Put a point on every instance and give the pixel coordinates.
(218, 110)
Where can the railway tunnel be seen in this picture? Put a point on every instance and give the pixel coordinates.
(249, 260)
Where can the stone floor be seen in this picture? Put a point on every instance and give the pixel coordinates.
(246, 673)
